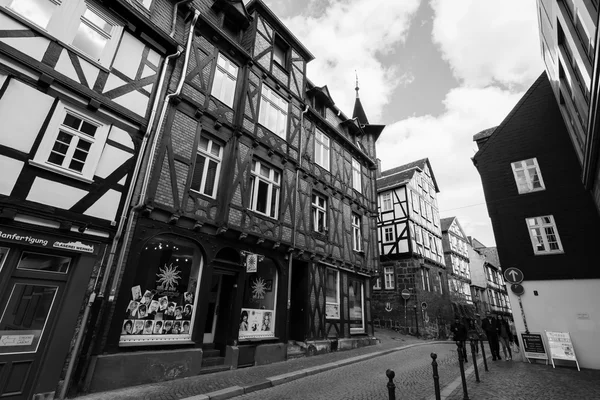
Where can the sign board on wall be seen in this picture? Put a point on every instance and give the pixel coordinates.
(533, 346)
(561, 347)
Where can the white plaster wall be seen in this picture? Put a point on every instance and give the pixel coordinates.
(129, 55)
(134, 101)
(22, 112)
(34, 47)
(65, 66)
(111, 159)
(476, 269)
(54, 194)
(11, 169)
(106, 206)
(121, 137)
(564, 306)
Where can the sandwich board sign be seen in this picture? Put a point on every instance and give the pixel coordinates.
(533, 346)
(561, 347)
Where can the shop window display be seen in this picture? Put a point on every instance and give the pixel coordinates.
(257, 319)
(356, 306)
(163, 298)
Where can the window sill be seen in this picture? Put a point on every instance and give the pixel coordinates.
(270, 131)
(197, 193)
(263, 215)
(548, 253)
(60, 171)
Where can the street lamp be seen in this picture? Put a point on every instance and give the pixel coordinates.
(416, 319)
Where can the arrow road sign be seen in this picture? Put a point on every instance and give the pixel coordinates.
(513, 275)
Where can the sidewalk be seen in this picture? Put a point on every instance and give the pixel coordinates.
(226, 384)
(516, 380)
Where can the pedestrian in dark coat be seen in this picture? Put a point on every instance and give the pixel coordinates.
(459, 331)
(505, 336)
(491, 328)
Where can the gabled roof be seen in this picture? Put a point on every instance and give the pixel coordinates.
(484, 133)
(395, 180)
(491, 256)
(445, 223)
(417, 165)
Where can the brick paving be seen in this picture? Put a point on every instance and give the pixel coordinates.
(202, 384)
(516, 380)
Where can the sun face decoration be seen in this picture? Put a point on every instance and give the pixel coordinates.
(259, 288)
(168, 276)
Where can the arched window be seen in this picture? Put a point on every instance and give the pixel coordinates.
(163, 297)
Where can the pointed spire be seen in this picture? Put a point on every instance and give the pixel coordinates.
(359, 112)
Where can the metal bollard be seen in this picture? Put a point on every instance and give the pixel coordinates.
(473, 351)
(462, 370)
(436, 377)
(391, 386)
(483, 355)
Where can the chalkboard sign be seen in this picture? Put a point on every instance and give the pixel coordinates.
(561, 347)
(533, 345)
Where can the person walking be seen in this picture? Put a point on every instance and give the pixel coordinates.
(490, 327)
(513, 331)
(459, 332)
(505, 337)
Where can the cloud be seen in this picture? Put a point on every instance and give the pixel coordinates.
(447, 140)
(348, 35)
(489, 42)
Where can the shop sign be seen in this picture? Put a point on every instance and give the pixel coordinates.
(16, 340)
(533, 345)
(561, 347)
(42, 240)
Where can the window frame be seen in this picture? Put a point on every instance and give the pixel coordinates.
(337, 289)
(362, 307)
(356, 175)
(278, 42)
(50, 137)
(385, 234)
(357, 233)
(274, 187)
(208, 156)
(377, 284)
(543, 226)
(388, 274)
(223, 74)
(521, 165)
(268, 105)
(316, 210)
(323, 143)
(387, 198)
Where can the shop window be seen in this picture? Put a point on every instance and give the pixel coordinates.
(273, 112)
(265, 183)
(44, 262)
(332, 295)
(3, 254)
(257, 319)
(207, 167)
(163, 298)
(72, 145)
(225, 79)
(356, 306)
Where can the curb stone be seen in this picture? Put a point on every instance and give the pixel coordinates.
(235, 391)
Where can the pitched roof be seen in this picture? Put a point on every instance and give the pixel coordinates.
(484, 133)
(395, 180)
(419, 164)
(491, 256)
(445, 223)
(359, 112)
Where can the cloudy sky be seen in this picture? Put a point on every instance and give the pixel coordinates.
(436, 72)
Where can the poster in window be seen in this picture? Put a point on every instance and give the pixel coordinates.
(258, 308)
(355, 305)
(162, 302)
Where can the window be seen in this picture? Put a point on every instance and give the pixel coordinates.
(419, 236)
(544, 235)
(377, 285)
(441, 281)
(322, 149)
(415, 202)
(319, 212)
(388, 234)
(528, 176)
(85, 26)
(427, 282)
(388, 274)
(207, 167)
(280, 53)
(259, 304)
(265, 183)
(356, 306)
(72, 145)
(356, 175)
(332, 295)
(356, 233)
(273, 113)
(223, 87)
(386, 201)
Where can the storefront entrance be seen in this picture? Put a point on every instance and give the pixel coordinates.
(213, 308)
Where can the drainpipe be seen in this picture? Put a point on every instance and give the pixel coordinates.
(174, 21)
(144, 189)
(297, 184)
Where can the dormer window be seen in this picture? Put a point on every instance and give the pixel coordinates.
(280, 53)
(231, 28)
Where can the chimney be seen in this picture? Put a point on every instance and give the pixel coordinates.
(378, 168)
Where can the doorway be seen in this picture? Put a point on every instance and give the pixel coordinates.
(213, 308)
(298, 316)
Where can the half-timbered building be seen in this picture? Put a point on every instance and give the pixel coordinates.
(77, 87)
(456, 256)
(410, 244)
(255, 232)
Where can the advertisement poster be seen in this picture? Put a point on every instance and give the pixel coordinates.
(332, 311)
(561, 347)
(256, 324)
(533, 345)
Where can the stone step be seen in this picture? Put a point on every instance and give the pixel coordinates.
(213, 369)
(209, 353)
(212, 361)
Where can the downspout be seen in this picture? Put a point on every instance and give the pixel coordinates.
(144, 189)
(290, 258)
(174, 21)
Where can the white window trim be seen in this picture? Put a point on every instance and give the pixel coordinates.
(388, 274)
(377, 284)
(337, 289)
(224, 74)
(362, 308)
(521, 166)
(385, 236)
(387, 198)
(316, 210)
(356, 175)
(356, 233)
(322, 141)
(257, 178)
(268, 105)
(208, 157)
(542, 226)
(91, 163)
